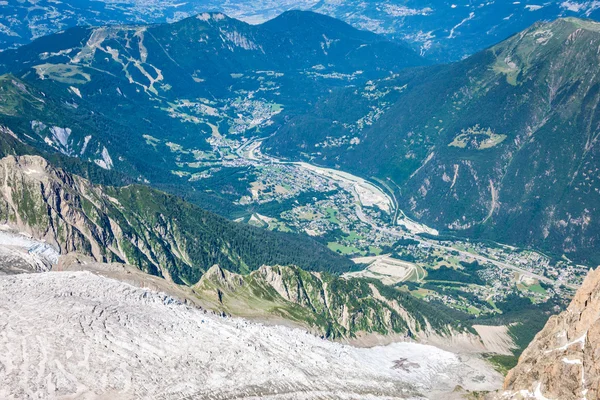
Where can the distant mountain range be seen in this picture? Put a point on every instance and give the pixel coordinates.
(439, 29)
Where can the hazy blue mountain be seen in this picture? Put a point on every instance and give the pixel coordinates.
(439, 29)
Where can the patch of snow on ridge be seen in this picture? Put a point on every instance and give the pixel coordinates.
(580, 341)
(99, 336)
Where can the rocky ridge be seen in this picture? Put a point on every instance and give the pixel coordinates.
(563, 362)
(348, 310)
(71, 214)
(136, 225)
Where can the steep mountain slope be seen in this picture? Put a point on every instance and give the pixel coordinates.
(83, 335)
(502, 145)
(562, 361)
(439, 29)
(334, 307)
(159, 233)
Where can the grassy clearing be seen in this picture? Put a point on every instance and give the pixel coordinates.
(71, 74)
(537, 288)
(308, 216)
(332, 215)
(420, 293)
(278, 226)
(477, 138)
(473, 310)
(375, 250)
(340, 248)
(352, 235)
(493, 305)
(502, 363)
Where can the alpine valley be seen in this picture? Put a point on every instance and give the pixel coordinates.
(200, 207)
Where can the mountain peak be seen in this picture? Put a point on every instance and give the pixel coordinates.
(29, 165)
(304, 15)
(561, 27)
(307, 21)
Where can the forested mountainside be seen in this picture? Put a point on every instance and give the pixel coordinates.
(173, 92)
(438, 29)
(157, 232)
(502, 145)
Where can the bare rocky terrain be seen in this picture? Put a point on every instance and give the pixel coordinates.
(562, 362)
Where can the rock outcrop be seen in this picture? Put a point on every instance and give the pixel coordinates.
(563, 361)
(71, 214)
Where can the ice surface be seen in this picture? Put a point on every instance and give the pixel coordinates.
(81, 335)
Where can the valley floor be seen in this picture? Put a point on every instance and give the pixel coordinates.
(80, 335)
